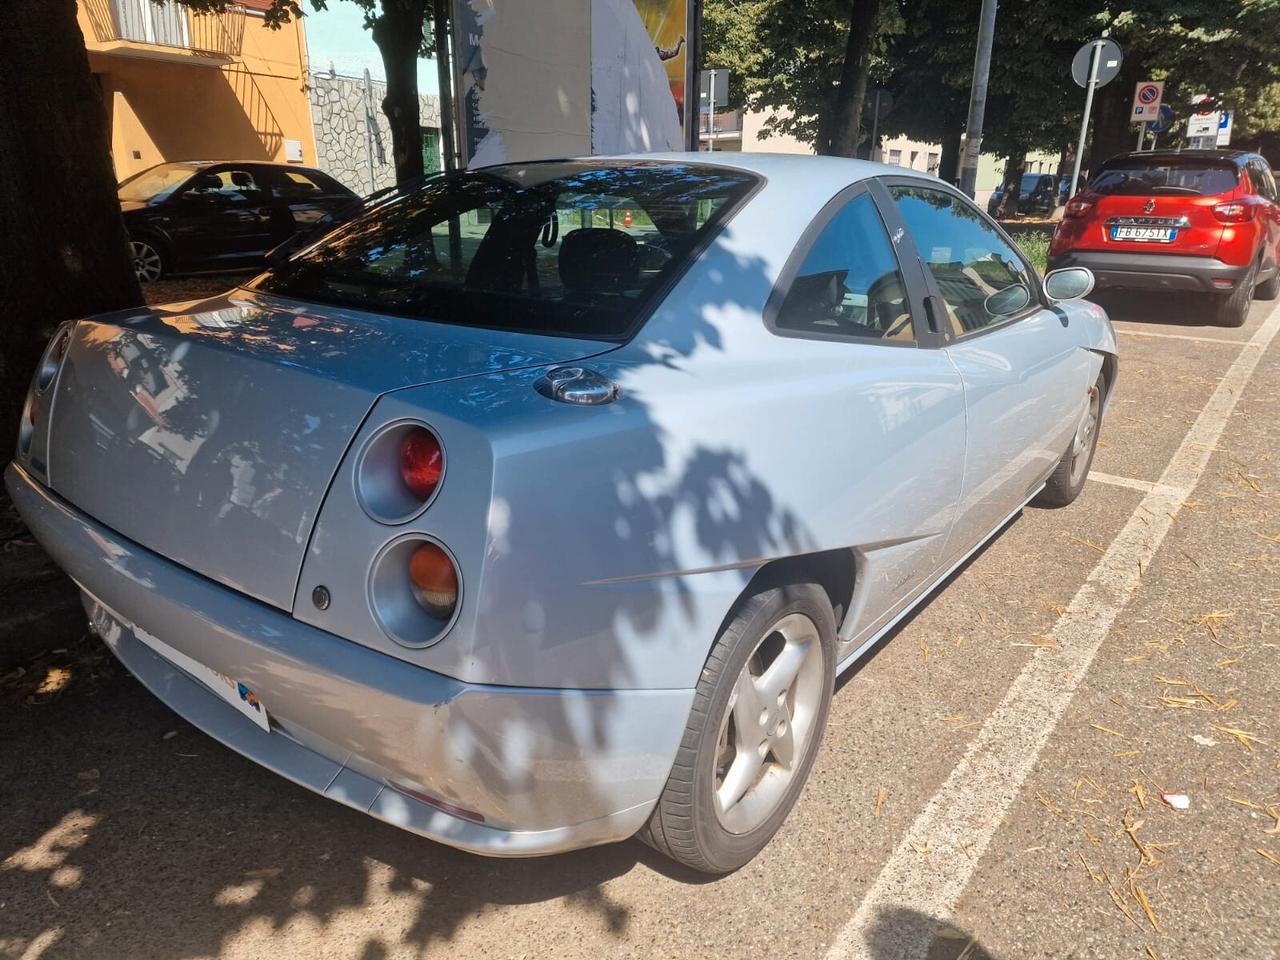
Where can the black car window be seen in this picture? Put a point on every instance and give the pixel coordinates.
(982, 279)
(300, 184)
(849, 284)
(1260, 175)
(569, 248)
(233, 187)
(1165, 175)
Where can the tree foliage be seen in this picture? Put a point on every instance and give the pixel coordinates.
(787, 55)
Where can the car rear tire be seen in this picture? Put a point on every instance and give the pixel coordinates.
(757, 720)
(148, 259)
(1232, 309)
(1268, 289)
(1068, 478)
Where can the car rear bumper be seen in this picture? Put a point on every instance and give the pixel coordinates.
(1154, 271)
(502, 771)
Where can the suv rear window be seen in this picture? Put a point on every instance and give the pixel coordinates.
(1165, 176)
(562, 248)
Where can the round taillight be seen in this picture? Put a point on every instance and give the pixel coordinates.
(415, 590)
(434, 580)
(421, 462)
(400, 471)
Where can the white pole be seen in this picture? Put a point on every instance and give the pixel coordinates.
(711, 120)
(1088, 106)
(1142, 135)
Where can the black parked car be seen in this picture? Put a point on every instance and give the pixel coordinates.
(221, 215)
(1038, 193)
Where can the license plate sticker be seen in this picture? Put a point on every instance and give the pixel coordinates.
(234, 692)
(1144, 234)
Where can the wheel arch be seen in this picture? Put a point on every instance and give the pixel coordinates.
(833, 570)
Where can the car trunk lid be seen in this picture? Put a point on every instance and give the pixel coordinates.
(208, 432)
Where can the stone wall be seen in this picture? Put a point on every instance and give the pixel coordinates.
(340, 111)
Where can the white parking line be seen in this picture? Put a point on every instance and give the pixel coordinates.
(959, 821)
(1180, 336)
(1130, 483)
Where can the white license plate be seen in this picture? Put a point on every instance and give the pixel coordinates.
(233, 691)
(1146, 234)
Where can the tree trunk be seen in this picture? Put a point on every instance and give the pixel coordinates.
(63, 248)
(1009, 196)
(845, 115)
(949, 164)
(397, 31)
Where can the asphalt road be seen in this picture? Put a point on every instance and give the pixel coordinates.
(989, 787)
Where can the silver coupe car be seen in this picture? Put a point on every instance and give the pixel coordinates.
(541, 507)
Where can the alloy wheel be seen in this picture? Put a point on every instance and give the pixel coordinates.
(768, 723)
(147, 263)
(1082, 445)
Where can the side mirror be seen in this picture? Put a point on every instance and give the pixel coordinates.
(1006, 302)
(1069, 283)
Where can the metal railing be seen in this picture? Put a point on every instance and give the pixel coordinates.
(168, 25)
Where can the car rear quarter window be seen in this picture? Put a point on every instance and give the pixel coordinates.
(849, 284)
(1165, 176)
(568, 248)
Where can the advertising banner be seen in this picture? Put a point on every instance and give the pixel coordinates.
(577, 77)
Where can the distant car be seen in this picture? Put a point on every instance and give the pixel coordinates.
(1202, 221)
(1039, 193)
(542, 506)
(198, 215)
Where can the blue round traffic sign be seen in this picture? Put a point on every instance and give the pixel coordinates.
(1164, 122)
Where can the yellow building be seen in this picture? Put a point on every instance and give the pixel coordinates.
(181, 86)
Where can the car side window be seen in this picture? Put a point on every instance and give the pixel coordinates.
(982, 279)
(849, 284)
(227, 188)
(1263, 182)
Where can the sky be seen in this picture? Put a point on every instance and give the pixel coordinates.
(337, 36)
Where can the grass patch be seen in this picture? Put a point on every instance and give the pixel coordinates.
(1035, 246)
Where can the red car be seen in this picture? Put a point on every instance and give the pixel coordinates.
(1197, 220)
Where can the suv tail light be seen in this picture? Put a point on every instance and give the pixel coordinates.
(1233, 212)
(1078, 207)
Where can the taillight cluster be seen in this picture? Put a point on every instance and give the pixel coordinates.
(414, 584)
(46, 373)
(1233, 211)
(1078, 207)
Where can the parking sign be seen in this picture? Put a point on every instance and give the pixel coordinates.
(1146, 101)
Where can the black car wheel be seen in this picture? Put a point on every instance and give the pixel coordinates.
(148, 261)
(1232, 309)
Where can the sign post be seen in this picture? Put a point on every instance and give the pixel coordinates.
(1146, 105)
(1095, 65)
(713, 91)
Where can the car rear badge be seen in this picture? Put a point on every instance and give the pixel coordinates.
(1151, 205)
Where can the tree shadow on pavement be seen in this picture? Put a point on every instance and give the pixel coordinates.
(148, 839)
(904, 934)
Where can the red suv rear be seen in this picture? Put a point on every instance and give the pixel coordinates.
(1198, 220)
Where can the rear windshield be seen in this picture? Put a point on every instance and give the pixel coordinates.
(564, 248)
(156, 183)
(1164, 176)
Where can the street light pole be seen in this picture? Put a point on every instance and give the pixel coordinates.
(978, 98)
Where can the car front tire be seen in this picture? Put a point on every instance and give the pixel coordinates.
(757, 720)
(1068, 478)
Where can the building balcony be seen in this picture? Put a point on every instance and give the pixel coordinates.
(164, 31)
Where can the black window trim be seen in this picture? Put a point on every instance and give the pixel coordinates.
(1038, 299)
(795, 260)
